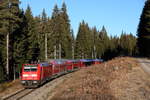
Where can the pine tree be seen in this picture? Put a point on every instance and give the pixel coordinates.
(66, 31)
(127, 44)
(124, 43)
(19, 44)
(40, 37)
(114, 47)
(43, 22)
(83, 46)
(61, 38)
(55, 33)
(96, 44)
(104, 40)
(32, 46)
(73, 44)
(9, 23)
(143, 31)
(2, 77)
(50, 42)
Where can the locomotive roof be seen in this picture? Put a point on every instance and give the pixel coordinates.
(97, 59)
(57, 61)
(89, 60)
(85, 60)
(41, 63)
(44, 64)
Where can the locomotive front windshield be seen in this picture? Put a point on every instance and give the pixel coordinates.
(28, 68)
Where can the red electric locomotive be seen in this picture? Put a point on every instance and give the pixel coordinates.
(34, 75)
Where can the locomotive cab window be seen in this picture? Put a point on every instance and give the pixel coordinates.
(26, 70)
(32, 68)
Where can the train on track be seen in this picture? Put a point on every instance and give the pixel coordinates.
(34, 75)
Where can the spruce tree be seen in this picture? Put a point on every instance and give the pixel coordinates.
(40, 37)
(19, 39)
(32, 45)
(1, 67)
(61, 38)
(73, 44)
(127, 44)
(114, 47)
(143, 31)
(43, 34)
(104, 40)
(55, 38)
(96, 45)
(9, 23)
(83, 46)
(124, 44)
(66, 31)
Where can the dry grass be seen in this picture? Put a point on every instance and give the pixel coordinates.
(9, 87)
(6, 85)
(107, 81)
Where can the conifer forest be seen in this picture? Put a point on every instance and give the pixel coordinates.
(25, 38)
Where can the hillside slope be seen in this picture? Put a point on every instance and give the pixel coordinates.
(118, 79)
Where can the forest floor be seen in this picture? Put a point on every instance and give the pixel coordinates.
(10, 87)
(118, 79)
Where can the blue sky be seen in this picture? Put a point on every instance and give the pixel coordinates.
(115, 15)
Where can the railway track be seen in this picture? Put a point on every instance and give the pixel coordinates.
(18, 95)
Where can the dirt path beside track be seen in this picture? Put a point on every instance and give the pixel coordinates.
(145, 64)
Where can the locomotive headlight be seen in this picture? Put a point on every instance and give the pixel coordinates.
(35, 82)
(34, 75)
(22, 82)
(25, 75)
